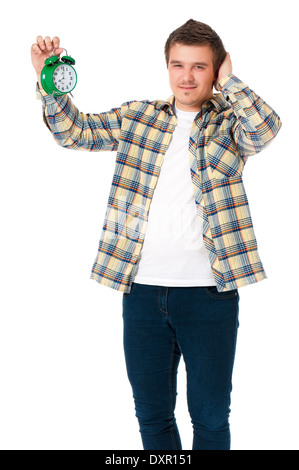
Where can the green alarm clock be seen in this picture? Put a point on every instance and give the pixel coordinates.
(58, 76)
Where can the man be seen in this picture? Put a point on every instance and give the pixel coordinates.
(177, 239)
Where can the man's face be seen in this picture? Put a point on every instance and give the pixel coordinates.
(191, 75)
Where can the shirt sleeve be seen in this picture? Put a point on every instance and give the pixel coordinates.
(255, 122)
(73, 129)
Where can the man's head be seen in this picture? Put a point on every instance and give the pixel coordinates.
(193, 53)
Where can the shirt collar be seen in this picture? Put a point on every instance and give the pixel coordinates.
(168, 105)
(218, 102)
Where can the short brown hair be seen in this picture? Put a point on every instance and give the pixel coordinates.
(197, 33)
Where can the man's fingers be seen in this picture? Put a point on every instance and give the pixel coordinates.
(48, 43)
(58, 51)
(56, 42)
(41, 43)
(36, 49)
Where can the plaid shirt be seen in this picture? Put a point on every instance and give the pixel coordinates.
(230, 127)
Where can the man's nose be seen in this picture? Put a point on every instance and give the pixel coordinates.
(188, 75)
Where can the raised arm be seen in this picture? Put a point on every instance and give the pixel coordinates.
(71, 128)
(256, 123)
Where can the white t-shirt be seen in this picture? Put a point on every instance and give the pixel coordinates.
(173, 252)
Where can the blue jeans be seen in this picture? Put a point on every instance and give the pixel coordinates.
(163, 323)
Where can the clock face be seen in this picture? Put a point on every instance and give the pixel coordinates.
(64, 78)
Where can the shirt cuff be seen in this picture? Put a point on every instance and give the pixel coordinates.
(230, 84)
(43, 96)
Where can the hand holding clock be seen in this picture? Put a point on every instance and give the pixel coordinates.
(43, 49)
(56, 75)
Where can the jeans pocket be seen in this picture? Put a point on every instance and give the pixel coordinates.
(213, 292)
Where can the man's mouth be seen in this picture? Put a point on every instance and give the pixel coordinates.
(187, 87)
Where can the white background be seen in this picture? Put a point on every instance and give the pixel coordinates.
(62, 369)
